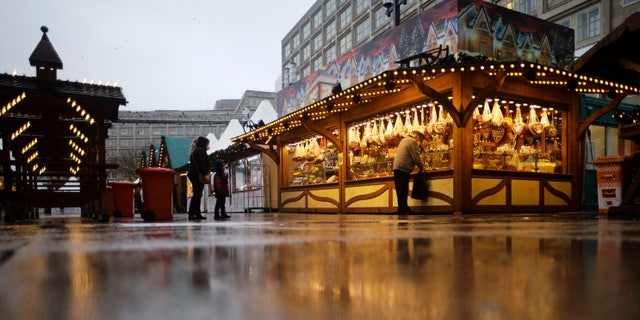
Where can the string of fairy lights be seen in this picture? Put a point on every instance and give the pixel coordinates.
(386, 83)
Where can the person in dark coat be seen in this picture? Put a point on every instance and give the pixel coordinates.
(199, 164)
(221, 189)
(406, 159)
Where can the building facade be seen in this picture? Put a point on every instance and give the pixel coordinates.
(332, 28)
(136, 131)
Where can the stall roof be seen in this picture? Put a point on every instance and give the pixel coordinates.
(234, 128)
(178, 151)
(392, 82)
(264, 112)
(616, 57)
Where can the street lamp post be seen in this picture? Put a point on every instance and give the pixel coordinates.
(394, 7)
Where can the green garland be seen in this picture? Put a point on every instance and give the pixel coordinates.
(627, 117)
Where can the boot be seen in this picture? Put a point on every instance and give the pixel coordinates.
(216, 216)
(225, 215)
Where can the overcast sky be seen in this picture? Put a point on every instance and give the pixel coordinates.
(165, 54)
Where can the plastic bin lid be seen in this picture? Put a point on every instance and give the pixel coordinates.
(155, 169)
(610, 159)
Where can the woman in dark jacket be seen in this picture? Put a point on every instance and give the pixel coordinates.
(199, 164)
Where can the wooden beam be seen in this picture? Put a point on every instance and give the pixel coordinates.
(582, 128)
(312, 126)
(269, 152)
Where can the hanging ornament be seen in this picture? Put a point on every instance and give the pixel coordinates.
(381, 138)
(496, 114)
(534, 124)
(373, 136)
(353, 138)
(422, 127)
(433, 119)
(477, 116)
(389, 133)
(508, 121)
(486, 113)
(518, 125)
(407, 123)
(398, 127)
(551, 129)
(440, 123)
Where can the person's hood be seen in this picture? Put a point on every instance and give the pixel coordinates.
(202, 142)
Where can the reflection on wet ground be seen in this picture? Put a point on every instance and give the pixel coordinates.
(303, 266)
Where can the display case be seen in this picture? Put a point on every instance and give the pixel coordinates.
(373, 141)
(313, 160)
(529, 141)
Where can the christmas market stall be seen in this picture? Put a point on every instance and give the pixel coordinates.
(53, 135)
(492, 93)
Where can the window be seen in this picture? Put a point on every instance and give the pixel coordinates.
(296, 41)
(361, 6)
(142, 142)
(317, 64)
(143, 131)
(345, 44)
(317, 20)
(345, 18)
(287, 50)
(306, 31)
(330, 7)
(527, 6)
(588, 24)
(508, 4)
(317, 43)
(380, 18)
(603, 142)
(330, 31)
(306, 71)
(126, 131)
(565, 23)
(331, 54)
(363, 31)
(126, 142)
(159, 131)
(306, 52)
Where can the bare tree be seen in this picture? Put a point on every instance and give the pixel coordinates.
(128, 162)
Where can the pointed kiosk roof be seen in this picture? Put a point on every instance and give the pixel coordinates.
(44, 55)
(264, 112)
(233, 129)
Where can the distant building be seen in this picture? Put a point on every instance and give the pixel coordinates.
(135, 131)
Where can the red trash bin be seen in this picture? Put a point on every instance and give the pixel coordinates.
(157, 193)
(122, 198)
(110, 202)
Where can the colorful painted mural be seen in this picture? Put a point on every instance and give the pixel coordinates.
(464, 26)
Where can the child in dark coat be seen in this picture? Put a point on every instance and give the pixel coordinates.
(221, 190)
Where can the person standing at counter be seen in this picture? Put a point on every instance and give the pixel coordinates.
(199, 166)
(406, 159)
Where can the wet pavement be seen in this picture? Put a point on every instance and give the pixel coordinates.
(321, 266)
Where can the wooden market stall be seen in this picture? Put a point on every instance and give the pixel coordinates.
(53, 130)
(617, 58)
(504, 134)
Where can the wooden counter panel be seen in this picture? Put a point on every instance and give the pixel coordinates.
(514, 192)
(308, 199)
(375, 195)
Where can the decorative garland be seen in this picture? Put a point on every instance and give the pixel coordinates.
(627, 117)
(229, 151)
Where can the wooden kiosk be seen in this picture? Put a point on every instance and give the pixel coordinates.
(53, 139)
(504, 136)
